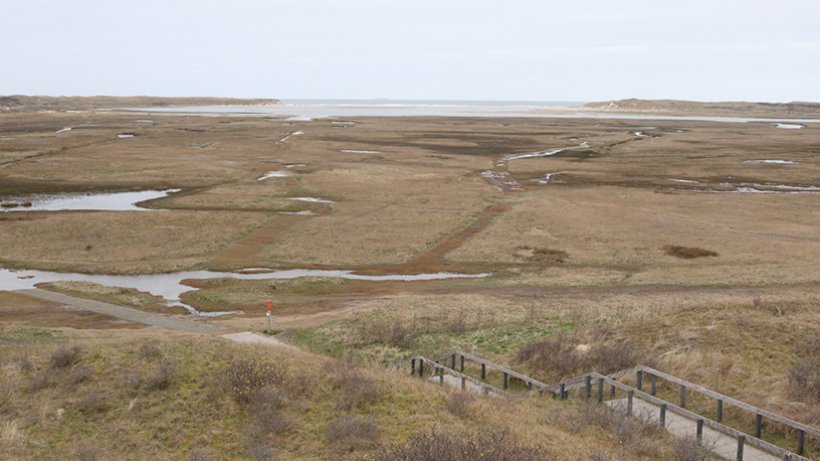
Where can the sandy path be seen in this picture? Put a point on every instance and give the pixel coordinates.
(248, 337)
(125, 313)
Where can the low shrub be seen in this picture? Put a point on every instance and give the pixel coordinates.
(690, 449)
(86, 453)
(94, 402)
(460, 404)
(359, 391)
(558, 357)
(79, 374)
(200, 454)
(150, 351)
(439, 445)
(241, 378)
(804, 380)
(265, 407)
(42, 380)
(686, 252)
(263, 452)
(65, 357)
(161, 379)
(351, 433)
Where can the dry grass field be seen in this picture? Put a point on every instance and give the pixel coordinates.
(675, 237)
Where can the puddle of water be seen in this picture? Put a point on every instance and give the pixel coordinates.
(684, 180)
(536, 154)
(789, 126)
(63, 130)
(293, 165)
(762, 188)
(583, 145)
(125, 135)
(120, 201)
(547, 179)
(289, 136)
(361, 151)
(778, 162)
(144, 121)
(169, 286)
(305, 212)
(641, 134)
(344, 123)
(274, 174)
(312, 199)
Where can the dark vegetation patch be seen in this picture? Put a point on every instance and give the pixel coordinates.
(687, 252)
(804, 376)
(558, 357)
(542, 255)
(65, 357)
(350, 433)
(355, 390)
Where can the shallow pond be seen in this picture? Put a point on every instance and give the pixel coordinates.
(170, 287)
(118, 201)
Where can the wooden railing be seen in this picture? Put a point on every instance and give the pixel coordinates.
(561, 390)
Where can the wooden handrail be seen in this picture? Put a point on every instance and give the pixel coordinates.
(580, 381)
(754, 441)
(726, 399)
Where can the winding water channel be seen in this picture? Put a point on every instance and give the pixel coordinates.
(170, 286)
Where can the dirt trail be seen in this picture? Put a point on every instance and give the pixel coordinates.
(433, 259)
(247, 251)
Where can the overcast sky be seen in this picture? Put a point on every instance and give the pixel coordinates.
(580, 50)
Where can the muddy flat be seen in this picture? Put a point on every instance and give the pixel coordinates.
(540, 203)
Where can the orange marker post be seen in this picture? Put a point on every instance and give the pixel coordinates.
(270, 308)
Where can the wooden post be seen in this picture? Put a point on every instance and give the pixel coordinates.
(700, 430)
(612, 392)
(801, 442)
(529, 386)
(588, 383)
(741, 439)
(453, 361)
(758, 425)
(683, 396)
(600, 390)
(663, 414)
(629, 401)
(441, 375)
(563, 391)
(462, 363)
(720, 410)
(506, 380)
(652, 380)
(483, 371)
(412, 367)
(421, 368)
(640, 379)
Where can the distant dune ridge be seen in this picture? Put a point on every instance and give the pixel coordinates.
(19, 103)
(717, 109)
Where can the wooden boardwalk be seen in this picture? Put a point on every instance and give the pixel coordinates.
(722, 439)
(716, 442)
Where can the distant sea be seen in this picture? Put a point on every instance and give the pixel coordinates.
(427, 103)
